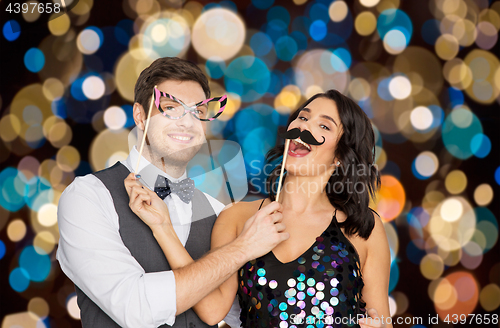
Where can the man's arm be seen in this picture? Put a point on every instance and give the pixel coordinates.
(195, 280)
(92, 254)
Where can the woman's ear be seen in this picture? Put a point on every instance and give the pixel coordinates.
(139, 116)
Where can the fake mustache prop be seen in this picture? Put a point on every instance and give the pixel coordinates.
(305, 136)
(294, 133)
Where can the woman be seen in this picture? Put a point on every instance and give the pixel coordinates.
(337, 247)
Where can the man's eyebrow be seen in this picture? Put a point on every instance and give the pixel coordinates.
(322, 116)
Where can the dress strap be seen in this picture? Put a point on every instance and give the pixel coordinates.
(335, 217)
(262, 203)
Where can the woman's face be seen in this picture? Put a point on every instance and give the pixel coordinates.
(321, 118)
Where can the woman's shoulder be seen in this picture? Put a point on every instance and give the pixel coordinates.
(238, 213)
(374, 243)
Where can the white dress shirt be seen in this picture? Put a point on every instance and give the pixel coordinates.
(92, 254)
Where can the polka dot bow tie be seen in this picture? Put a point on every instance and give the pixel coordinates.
(184, 188)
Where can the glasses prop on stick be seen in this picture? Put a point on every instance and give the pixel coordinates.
(292, 134)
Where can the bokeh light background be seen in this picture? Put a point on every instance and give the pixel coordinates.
(426, 72)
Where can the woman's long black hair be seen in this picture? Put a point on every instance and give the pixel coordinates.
(356, 152)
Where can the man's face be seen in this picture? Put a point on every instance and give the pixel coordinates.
(177, 141)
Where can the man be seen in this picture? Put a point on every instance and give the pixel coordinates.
(121, 275)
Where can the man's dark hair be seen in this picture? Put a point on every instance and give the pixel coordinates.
(163, 69)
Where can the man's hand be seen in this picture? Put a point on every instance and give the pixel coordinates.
(263, 231)
(373, 321)
(146, 204)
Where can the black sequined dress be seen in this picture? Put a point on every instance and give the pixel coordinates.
(320, 289)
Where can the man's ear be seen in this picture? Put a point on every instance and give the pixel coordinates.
(139, 116)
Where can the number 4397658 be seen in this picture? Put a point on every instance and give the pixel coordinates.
(473, 318)
(26, 7)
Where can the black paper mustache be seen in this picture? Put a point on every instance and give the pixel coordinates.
(305, 136)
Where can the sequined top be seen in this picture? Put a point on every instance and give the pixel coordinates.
(321, 288)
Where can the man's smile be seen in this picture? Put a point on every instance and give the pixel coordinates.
(181, 137)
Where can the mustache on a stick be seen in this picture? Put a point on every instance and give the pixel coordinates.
(305, 136)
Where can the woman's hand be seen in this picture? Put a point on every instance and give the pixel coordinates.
(146, 204)
(373, 321)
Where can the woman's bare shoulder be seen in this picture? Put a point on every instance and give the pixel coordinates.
(238, 213)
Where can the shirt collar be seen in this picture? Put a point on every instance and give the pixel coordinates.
(148, 171)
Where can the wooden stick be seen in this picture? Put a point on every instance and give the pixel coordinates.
(287, 144)
(145, 130)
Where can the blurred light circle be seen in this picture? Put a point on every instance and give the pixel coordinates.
(105, 144)
(359, 89)
(455, 182)
(487, 35)
(459, 128)
(426, 163)
(490, 297)
(392, 306)
(451, 210)
(472, 255)
(365, 23)
(115, 118)
(215, 67)
(317, 30)
(44, 242)
(287, 99)
(38, 192)
(400, 87)
(60, 25)
(457, 73)
(33, 14)
(89, 40)
(72, 307)
(261, 44)
(393, 18)
(19, 279)
(247, 76)
(395, 42)
(16, 230)
(53, 88)
(484, 65)
(278, 13)
(38, 307)
(480, 145)
(93, 87)
(34, 60)
(447, 47)
(483, 195)
(390, 199)
(32, 115)
(11, 30)
(341, 59)
(68, 158)
(286, 48)
(314, 72)
(421, 118)
(2, 249)
(432, 266)
(219, 33)
(37, 265)
(47, 215)
(338, 10)
(10, 127)
(12, 187)
(369, 3)
(262, 4)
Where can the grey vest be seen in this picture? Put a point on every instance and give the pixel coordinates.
(139, 239)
